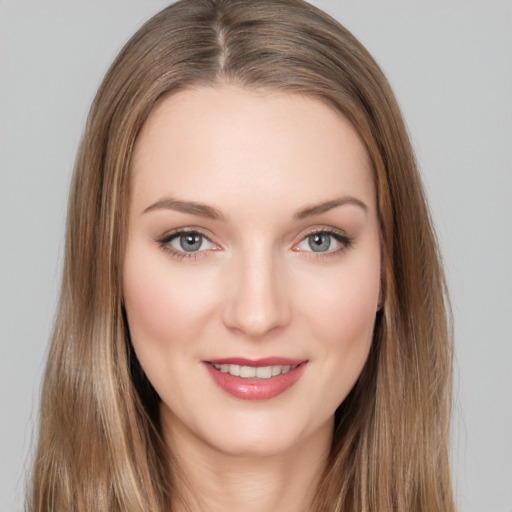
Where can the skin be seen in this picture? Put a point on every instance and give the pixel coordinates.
(255, 288)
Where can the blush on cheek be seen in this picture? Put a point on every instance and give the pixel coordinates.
(163, 304)
(346, 305)
(146, 307)
(344, 317)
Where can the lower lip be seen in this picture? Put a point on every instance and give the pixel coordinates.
(256, 389)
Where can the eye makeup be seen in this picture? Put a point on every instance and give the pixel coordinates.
(323, 242)
(192, 243)
(186, 244)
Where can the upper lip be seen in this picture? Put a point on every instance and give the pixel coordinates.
(265, 361)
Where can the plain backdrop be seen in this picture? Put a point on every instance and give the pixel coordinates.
(450, 63)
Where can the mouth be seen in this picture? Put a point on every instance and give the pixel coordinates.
(254, 372)
(255, 379)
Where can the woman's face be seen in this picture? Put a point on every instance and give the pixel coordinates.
(252, 270)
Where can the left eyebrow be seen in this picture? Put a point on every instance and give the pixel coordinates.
(310, 211)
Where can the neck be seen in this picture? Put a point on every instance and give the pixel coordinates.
(212, 481)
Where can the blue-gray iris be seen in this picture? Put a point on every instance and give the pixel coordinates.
(319, 242)
(191, 242)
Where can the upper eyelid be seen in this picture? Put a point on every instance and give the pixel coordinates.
(183, 231)
(329, 229)
(334, 234)
(321, 229)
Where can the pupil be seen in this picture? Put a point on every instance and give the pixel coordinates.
(319, 242)
(191, 242)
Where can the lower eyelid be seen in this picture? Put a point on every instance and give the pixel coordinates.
(179, 254)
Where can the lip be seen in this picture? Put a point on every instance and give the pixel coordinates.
(256, 389)
(265, 361)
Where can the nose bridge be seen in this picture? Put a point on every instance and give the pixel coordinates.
(258, 302)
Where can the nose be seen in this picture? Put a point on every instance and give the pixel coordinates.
(258, 299)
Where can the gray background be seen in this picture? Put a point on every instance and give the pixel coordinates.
(450, 63)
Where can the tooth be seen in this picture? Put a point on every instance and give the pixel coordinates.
(247, 371)
(264, 372)
(276, 370)
(234, 369)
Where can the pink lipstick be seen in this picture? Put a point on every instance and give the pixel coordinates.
(259, 379)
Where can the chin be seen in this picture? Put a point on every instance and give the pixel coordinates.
(257, 445)
(263, 436)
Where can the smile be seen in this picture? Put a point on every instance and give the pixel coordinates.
(255, 380)
(251, 372)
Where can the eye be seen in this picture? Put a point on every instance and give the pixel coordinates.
(324, 241)
(185, 244)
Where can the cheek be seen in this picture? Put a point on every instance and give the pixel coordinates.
(149, 303)
(340, 316)
(344, 307)
(163, 306)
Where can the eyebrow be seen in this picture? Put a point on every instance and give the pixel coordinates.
(191, 207)
(210, 212)
(311, 211)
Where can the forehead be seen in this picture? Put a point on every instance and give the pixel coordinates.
(206, 144)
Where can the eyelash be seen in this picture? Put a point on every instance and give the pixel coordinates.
(165, 243)
(341, 237)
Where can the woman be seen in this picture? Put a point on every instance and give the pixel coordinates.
(252, 309)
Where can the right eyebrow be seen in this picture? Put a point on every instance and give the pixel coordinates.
(200, 209)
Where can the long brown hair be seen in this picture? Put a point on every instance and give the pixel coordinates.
(100, 447)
